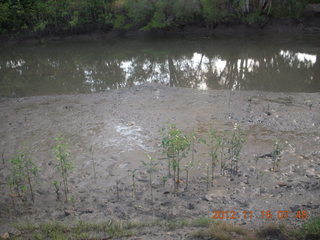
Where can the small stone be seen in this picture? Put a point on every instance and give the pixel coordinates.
(87, 211)
(310, 173)
(9, 229)
(190, 206)
(295, 208)
(207, 198)
(218, 193)
(281, 184)
(67, 213)
(5, 235)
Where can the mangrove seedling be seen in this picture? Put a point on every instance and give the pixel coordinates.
(73, 201)
(56, 186)
(187, 168)
(117, 188)
(223, 164)
(151, 167)
(214, 142)
(175, 145)
(260, 175)
(234, 148)
(64, 164)
(207, 175)
(174, 167)
(23, 170)
(93, 164)
(276, 154)
(2, 158)
(164, 180)
(193, 140)
(133, 176)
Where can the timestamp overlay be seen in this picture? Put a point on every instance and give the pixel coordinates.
(260, 215)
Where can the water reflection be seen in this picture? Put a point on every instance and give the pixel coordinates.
(80, 67)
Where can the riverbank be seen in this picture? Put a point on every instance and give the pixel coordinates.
(123, 127)
(309, 22)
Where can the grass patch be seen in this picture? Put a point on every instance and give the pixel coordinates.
(208, 229)
(311, 229)
(222, 231)
(111, 229)
(273, 231)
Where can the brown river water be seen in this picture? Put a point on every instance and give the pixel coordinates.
(281, 63)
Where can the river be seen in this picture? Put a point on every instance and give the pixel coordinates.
(278, 63)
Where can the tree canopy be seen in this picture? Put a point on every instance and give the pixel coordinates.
(55, 16)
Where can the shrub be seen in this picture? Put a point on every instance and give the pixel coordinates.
(214, 11)
(288, 8)
(185, 11)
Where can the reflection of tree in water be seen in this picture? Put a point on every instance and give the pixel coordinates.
(93, 67)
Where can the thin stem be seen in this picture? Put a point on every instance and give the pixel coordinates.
(187, 180)
(117, 188)
(93, 165)
(30, 185)
(133, 188)
(212, 169)
(192, 154)
(151, 190)
(207, 178)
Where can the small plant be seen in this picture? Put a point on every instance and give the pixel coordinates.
(193, 139)
(276, 154)
(260, 175)
(56, 185)
(2, 158)
(93, 164)
(175, 145)
(249, 105)
(207, 176)
(214, 143)
(164, 180)
(23, 170)
(64, 164)
(187, 167)
(133, 175)
(223, 164)
(117, 188)
(235, 145)
(73, 201)
(151, 167)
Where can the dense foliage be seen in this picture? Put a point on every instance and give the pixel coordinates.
(55, 16)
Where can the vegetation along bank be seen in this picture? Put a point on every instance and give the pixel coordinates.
(51, 17)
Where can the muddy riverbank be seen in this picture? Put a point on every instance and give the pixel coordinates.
(123, 127)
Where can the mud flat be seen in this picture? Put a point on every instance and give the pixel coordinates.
(123, 126)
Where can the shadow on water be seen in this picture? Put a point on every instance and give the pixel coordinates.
(269, 63)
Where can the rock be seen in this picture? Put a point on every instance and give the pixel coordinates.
(295, 208)
(167, 203)
(282, 184)
(312, 237)
(300, 171)
(7, 230)
(216, 194)
(67, 213)
(310, 173)
(262, 190)
(87, 211)
(190, 206)
(5, 235)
